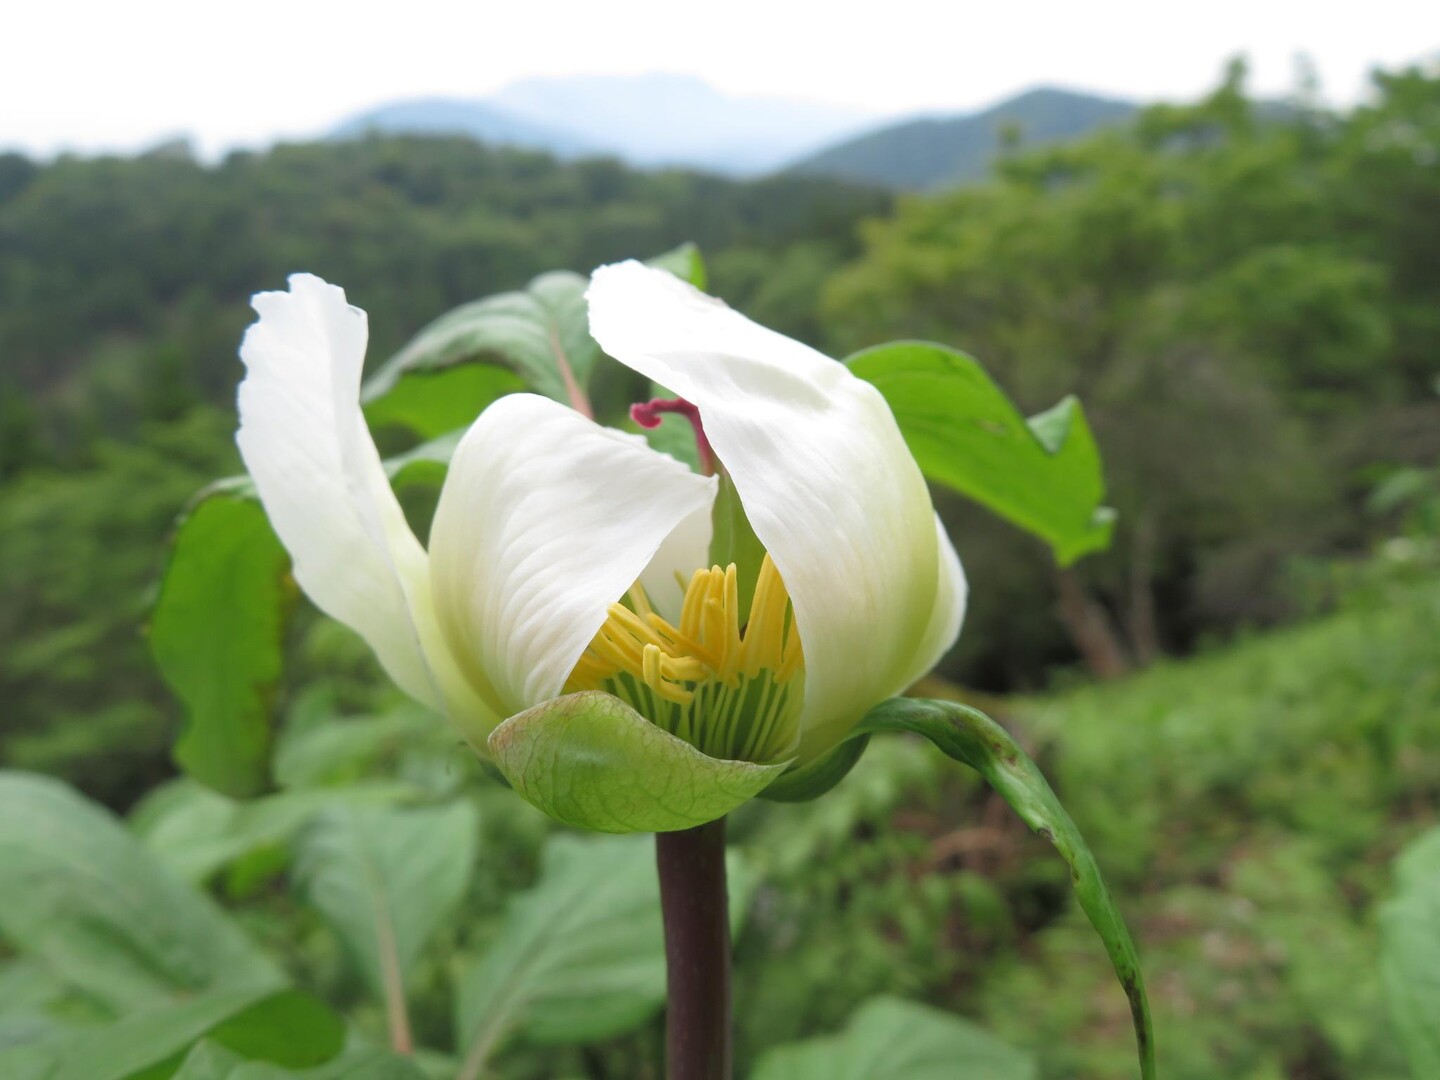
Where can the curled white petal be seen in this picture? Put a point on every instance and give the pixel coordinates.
(824, 476)
(544, 520)
(304, 441)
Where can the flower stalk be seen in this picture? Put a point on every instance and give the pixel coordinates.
(695, 904)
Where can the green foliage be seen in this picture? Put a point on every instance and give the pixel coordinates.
(1410, 956)
(889, 1037)
(1043, 474)
(1221, 287)
(970, 736)
(386, 879)
(78, 558)
(224, 671)
(543, 333)
(82, 895)
(578, 958)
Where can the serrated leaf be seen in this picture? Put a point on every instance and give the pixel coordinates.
(969, 736)
(1410, 954)
(580, 957)
(1043, 475)
(889, 1038)
(81, 894)
(216, 634)
(590, 760)
(385, 879)
(541, 333)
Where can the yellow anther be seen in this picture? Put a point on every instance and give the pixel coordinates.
(707, 652)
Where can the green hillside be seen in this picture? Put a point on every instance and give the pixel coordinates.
(937, 152)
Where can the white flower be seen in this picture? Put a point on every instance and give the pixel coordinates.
(548, 522)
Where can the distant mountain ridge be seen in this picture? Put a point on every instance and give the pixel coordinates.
(933, 152)
(647, 120)
(665, 120)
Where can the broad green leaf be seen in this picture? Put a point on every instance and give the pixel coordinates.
(386, 879)
(433, 403)
(578, 958)
(216, 634)
(290, 1028)
(1410, 954)
(1043, 475)
(590, 760)
(81, 894)
(196, 831)
(541, 333)
(286, 1028)
(217, 629)
(969, 736)
(889, 1038)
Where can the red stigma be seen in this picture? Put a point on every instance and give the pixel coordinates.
(649, 413)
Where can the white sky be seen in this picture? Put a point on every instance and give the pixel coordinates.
(120, 74)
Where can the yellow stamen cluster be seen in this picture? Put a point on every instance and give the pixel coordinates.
(729, 689)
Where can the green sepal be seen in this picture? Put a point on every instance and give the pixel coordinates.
(814, 778)
(590, 760)
(970, 736)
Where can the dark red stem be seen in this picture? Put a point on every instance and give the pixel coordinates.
(697, 952)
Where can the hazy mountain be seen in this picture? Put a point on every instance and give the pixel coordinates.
(679, 120)
(477, 119)
(934, 152)
(646, 120)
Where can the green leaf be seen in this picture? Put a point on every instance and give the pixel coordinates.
(685, 263)
(290, 1028)
(386, 879)
(579, 958)
(212, 1061)
(1410, 954)
(217, 629)
(890, 1038)
(81, 894)
(432, 403)
(590, 760)
(196, 831)
(970, 736)
(216, 634)
(1043, 475)
(542, 334)
(287, 1028)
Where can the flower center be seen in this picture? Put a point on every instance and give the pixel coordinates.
(732, 692)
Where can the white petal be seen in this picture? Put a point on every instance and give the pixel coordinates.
(544, 520)
(948, 613)
(304, 441)
(684, 551)
(822, 471)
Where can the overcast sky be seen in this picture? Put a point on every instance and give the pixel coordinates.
(124, 73)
